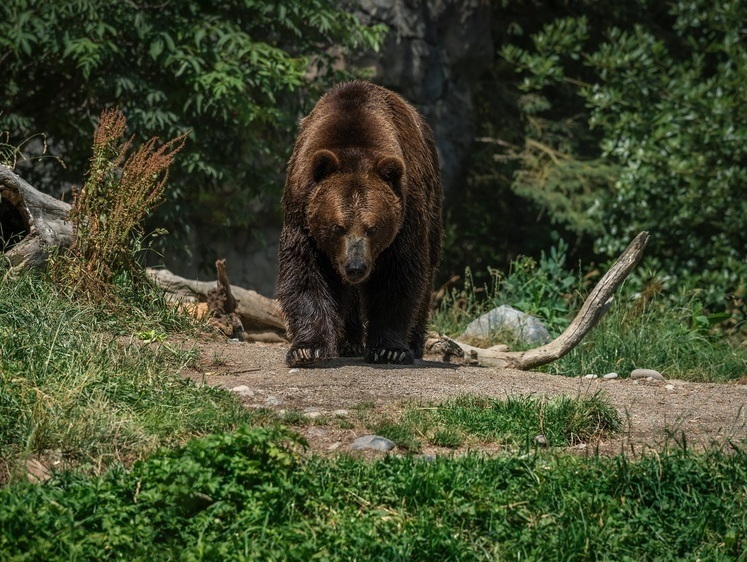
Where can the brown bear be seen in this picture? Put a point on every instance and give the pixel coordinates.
(362, 229)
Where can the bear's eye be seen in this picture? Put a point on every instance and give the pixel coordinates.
(372, 230)
(338, 229)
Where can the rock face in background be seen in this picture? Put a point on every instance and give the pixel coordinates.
(433, 54)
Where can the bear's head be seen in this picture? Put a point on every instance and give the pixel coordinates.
(355, 209)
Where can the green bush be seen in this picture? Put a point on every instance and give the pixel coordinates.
(231, 73)
(665, 99)
(247, 496)
(546, 288)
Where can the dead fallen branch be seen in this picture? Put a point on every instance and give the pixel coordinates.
(256, 312)
(596, 304)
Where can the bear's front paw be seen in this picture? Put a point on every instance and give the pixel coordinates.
(387, 355)
(300, 356)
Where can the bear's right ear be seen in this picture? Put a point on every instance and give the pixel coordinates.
(391, 170)
(323, 163)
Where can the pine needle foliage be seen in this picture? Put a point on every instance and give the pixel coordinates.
(122, 189)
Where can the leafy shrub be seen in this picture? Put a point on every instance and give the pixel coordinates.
(665, 104)
(247, 496)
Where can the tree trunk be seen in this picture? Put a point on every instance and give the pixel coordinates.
(32, 224)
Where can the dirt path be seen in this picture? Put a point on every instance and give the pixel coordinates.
(653, 411)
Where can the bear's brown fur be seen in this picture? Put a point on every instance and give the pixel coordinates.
(362, 232)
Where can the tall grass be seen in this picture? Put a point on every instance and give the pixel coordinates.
(77, 383)
(248, 496)
(652, 333)
(121, 190)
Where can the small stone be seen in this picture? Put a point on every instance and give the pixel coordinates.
(340, 413)
(312, 415)
(36, 471)
(334, 446)
(646, 374)
(540, 440)
(273, 401)
(669, 387)
(295, 370)
(591, 376)
(374, 442)
(609, 376)
(243, 390)
(316, 432)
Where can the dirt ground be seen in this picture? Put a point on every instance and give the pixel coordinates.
(656, 414)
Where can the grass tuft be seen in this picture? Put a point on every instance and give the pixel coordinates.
(513, 422)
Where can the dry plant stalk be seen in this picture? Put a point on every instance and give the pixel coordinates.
(107, 214)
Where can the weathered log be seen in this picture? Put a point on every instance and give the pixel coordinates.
(596, 304)
(32, 223)
(256, 311)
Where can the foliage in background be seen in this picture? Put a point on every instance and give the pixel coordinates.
(247, 496)
(107, 215)
(667, 107)
(236, 73)
(81, 386)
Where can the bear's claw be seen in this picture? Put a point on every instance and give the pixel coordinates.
(304, 356)
(384, 355)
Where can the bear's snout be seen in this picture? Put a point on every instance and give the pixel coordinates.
(356, 262)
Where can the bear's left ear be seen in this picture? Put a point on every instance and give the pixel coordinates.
(324, 163)
(391, 170)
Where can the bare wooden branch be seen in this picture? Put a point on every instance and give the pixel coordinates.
(596, 304)
(32, 223)
(256, 311)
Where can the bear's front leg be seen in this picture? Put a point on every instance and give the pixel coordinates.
(307, 300)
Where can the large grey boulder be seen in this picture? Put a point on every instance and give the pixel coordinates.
(524, 328)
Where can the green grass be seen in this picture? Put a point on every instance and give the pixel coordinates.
(249, 496)
(513, 422)
(83, 384)
(636, 335)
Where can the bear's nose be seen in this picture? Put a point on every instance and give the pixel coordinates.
(355, 269)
